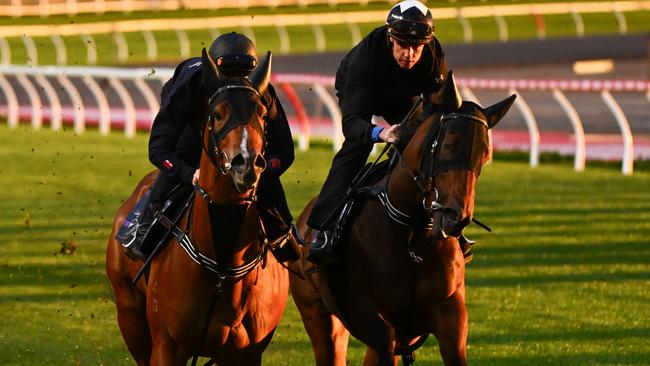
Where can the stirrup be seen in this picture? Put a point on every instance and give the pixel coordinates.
(134, 249)
(321, 251)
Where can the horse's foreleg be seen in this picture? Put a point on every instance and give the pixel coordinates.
(451, 330)
(372, 358)
(374, 331)
(328, 336)
(165, 351)
(132, 320)
(130, 304)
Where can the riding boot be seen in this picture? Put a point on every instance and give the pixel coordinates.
(140, 248)
(129, 235)
(324, 214)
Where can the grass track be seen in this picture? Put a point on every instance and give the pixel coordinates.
(564, 279)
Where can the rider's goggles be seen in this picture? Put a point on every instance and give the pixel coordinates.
(236, 63)
(411, 32)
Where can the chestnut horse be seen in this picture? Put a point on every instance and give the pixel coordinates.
(400, 273)
(215, 272)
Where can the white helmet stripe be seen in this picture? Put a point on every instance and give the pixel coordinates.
(407, 4)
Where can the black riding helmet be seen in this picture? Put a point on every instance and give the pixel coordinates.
(410, 22)
(234, 54)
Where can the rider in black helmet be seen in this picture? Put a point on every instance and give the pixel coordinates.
(175, 140)
(382, 75)
(234, 54)
(410, 22)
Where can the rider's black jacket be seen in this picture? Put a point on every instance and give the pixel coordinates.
(175, 141)
(370, 82)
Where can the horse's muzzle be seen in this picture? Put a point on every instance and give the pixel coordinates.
(449, 222)
(244, 174)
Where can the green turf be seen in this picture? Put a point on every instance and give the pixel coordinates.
(563, 279)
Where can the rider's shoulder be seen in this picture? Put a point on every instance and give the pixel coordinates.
(374, 42)
(188, 72)
(365, 53)
(190, 66)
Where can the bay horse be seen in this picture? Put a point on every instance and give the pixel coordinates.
(215, 274)
(400, 273)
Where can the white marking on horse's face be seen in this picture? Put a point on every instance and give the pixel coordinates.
(243, 145)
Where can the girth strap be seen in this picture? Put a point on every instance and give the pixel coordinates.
(392, 212)
(232, 273)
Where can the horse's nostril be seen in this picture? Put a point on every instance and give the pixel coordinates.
(260, 162)
(238, 161)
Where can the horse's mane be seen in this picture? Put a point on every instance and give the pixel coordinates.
(408, 128)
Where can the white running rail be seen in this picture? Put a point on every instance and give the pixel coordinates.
(134, 95)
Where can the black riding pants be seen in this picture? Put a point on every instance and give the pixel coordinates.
(345, 166)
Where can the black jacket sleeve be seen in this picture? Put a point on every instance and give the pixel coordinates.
(355, 89)
(181, 106)
(279, 153)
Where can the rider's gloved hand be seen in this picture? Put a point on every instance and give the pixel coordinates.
(195, 178)
(390, 134)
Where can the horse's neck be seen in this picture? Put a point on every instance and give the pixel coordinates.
(225, 231)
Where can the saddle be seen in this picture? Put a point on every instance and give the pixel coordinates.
(364, 184)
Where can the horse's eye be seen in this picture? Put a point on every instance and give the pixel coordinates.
(217, 116)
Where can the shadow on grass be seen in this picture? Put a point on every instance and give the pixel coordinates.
(587, 335)
(602, 358)
(542, 279)
(559, 255)
(60, 274)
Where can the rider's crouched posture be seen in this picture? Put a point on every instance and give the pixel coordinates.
(393, 65)
(175, 142)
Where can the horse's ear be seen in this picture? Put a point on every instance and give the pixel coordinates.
(448, 98)
(495, 112)
(261, 76)
(211, 74)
